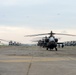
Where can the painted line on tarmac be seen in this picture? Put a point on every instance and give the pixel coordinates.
(35, 59)
(2, 56)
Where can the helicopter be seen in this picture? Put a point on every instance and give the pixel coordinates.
(50, 42)
(11, 43)
(44, 42)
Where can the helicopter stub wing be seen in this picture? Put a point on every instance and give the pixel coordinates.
(60, 43)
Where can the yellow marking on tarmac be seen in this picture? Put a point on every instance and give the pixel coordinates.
(37, 59)
(16, 56)
(12, 61)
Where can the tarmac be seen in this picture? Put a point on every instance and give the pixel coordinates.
(33, 60)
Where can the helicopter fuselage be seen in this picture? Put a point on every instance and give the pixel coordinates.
(51, 45)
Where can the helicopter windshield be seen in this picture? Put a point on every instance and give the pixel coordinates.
(51, 39)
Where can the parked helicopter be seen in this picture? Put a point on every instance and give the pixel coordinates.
(49, 42)
(11, 43)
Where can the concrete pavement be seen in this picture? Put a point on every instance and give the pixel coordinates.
(25, 61)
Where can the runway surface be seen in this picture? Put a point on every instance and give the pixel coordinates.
(33, 60)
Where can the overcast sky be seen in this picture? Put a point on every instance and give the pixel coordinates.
(22, 17)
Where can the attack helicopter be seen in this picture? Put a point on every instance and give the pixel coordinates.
(50, 42)
(11, 43)
(44, 42)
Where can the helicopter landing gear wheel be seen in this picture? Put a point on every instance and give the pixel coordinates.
(46, 48)
(56, 49)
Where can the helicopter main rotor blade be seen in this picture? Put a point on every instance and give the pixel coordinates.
(51, 34)
(4, 40)
(36, 35)
(65, 34)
